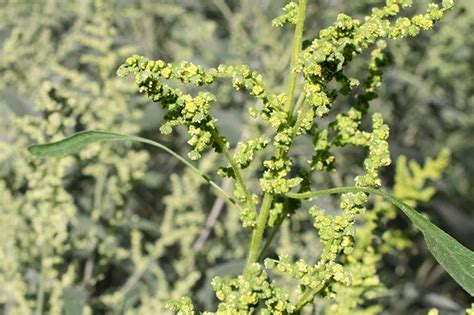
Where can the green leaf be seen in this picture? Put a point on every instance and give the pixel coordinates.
(456, 259)
(80, 140)
(74, 144)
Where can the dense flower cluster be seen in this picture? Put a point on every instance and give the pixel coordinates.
(367, 247)
(342, 265)
(182, 108)
(241, 296)
(322, 65)
(290, 15)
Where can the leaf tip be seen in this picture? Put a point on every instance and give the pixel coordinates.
(34, 149)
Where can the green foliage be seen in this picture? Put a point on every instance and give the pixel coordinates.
(321, 63)
(80, 140)
(133, 260)
(456, 259)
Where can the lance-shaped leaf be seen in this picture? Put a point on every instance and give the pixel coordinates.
(74, 143)
(456, 259)
(80, 140)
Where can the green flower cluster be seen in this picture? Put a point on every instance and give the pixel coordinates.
(376, 141)
(322, 66)
(363, 260)
(324, 60)
(322, 159)
(182, 108)
(242, 296)
(289, 15)
(275, 179)
(247, 150)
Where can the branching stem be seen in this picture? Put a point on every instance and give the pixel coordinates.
(307, 297)
(275, 229)
(257, 235)
(297, 45)
(258, 231)
(238, 176)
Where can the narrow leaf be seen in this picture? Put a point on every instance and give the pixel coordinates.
(456, 259)
(80, 140)
(73, 144)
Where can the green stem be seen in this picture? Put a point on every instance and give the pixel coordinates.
(417, 218)
(257, 235)
(272, 235)
(298, 103)
(297, 45)
(301, 116)
(188, 164)
(258, 231)
(238, 176)
(331, 191)
(349, 189)
(307, 297)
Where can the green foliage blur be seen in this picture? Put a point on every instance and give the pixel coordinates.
(121, 229)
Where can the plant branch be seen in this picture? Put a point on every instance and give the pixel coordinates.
(301, 116)
(411, 213)
(273, 233)
(298, 103)
(258, 231)
(191, 166)
(455, 258)
(80, 140)
(238, 176)
(297, 45)
(307, 297)
(257, 235)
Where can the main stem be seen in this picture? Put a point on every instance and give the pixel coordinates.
(297, 45)
(257, 235)
(258, 231)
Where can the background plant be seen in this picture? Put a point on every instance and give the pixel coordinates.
(220, 251)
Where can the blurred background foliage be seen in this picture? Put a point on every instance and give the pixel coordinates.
(122, 228)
